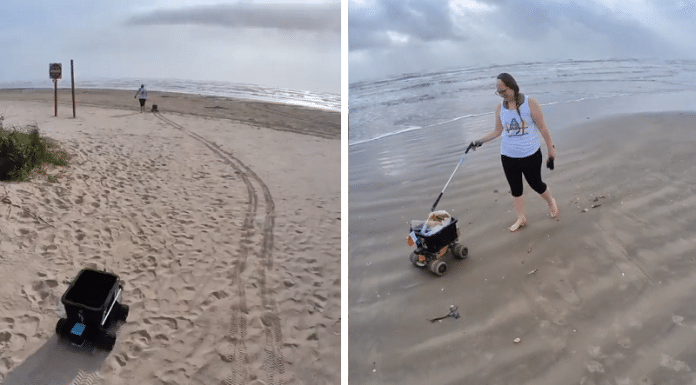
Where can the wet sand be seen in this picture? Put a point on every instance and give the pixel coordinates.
(601, 295)
(226, 234)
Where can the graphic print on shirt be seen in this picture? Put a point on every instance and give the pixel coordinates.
(514, 126)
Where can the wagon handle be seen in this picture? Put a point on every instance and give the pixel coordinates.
(471, 145)
(106, 316)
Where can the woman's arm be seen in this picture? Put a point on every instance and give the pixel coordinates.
(538, 118)
(498, 128)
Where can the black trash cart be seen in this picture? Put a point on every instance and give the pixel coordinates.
(432, 247)
(93, 309)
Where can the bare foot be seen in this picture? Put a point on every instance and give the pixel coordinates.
(553, 207)
(521, 221)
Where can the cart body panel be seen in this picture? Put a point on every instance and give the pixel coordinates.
(90, 296)
(90, 302)
(433, 243)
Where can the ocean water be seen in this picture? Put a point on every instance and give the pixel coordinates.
(422, 103)
(324, 101)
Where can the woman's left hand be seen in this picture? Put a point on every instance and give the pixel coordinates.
(552, 152)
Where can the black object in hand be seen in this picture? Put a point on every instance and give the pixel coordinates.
(473, 145)
(549, 163)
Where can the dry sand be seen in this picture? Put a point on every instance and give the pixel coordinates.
(605, 294)
(222, 218)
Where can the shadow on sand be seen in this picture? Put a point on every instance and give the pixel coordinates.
(58, 363)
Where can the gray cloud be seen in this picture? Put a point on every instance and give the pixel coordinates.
(510, 31)
(292, 17)
(419, 21)
(593, 30)
(289, 46)
(682, 12)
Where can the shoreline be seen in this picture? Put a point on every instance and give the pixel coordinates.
(203, 95)
(278, 116)
(560, 115)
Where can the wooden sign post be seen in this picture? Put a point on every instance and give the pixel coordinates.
(72, 81)
(55, 71)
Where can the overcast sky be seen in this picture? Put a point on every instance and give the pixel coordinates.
(282, 43)
(390, 37)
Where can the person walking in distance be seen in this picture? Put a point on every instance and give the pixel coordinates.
(520, 122)
(142, 95)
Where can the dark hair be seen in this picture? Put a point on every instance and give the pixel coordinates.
(510, 82)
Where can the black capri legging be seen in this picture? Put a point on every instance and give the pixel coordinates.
(530, 167)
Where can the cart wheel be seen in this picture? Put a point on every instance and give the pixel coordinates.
(61, 327)
(460, 251)
(414, 260)
(108, 341)
(439, 267)
(124, 312)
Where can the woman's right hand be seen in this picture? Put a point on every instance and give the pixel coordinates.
(473, 145)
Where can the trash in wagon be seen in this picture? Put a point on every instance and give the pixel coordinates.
(437, 220)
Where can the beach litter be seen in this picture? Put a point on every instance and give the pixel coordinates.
(595, 199)
(453, 313)
(517, 340)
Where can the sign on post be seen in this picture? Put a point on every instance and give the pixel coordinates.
(55, 70)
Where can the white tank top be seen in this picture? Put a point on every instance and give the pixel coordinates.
(518, 141)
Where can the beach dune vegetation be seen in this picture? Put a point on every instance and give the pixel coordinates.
(24, 151)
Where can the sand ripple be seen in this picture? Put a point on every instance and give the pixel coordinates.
(602, 295)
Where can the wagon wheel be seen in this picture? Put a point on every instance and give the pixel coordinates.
(123, 313)
(460, 251)
(61, 327)
(415, 261)
(438, 267)
(107, 341)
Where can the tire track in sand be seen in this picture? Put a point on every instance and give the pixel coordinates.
(262, 248)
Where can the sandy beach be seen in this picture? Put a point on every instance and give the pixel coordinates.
(601, 295)
(222, 218)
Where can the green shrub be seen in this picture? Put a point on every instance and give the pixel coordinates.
(23, 150)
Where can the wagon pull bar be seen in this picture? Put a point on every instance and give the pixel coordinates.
(471, 145)
(443, 189)
(110, 307)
